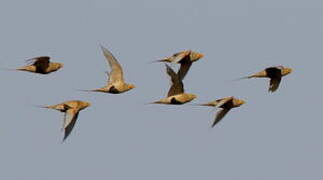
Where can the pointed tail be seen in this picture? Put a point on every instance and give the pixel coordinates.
(246, 77)
(206, 104)
(89, 90)
(8, 69)
(157, 61)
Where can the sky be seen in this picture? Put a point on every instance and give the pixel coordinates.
(273, 136)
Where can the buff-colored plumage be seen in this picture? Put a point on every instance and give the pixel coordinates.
(41, 65)
(226, 104)
(176, 94)
(185, 59)
(71, 110)
(116, 83)
(275, 75)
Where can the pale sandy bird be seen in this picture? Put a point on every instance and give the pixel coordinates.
(176, 94)
(226, 104)
(40, 65)
(275, 74)
(185, 58)
(116, 83)
(71, 110)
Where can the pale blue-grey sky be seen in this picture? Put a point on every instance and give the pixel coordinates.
(274, 136)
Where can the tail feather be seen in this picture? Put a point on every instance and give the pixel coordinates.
(89, 90)
(8, 69)
(246, 77)
(42, 106)
(158, 61)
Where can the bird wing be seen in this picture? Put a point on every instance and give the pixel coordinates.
(275, 71)
(275, 75)
(116, 73)
(223, 101)
(185, 66)
(41, 62)
(69, 121)
(39, 58)
(274, 84)
(219, 115)
(178, 57)
(177, 86)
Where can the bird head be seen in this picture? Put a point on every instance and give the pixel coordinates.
(191, 96)
(131, 86)
(194, 56)
(287, 71)
(58, 65)
(239, 102)
(85, 104)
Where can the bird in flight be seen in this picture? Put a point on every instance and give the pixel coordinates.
(275, 75)
(40, 65)
(226, 104)
(185, 58)
(71, 110)
(176, 94)
(116, 83)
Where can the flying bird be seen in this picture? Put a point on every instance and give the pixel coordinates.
(40, 65)
(116, 83)
(71, 110)
(176, 94)
(226, 104)
(184, 58)
(275, 75)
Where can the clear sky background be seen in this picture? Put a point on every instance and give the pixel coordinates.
(273, 136)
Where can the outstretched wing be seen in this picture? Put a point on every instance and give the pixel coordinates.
(185, 66)
(116, 73)
(275, 75)
(274, 84)
(177, 86)
(219, 116)
(69, 121)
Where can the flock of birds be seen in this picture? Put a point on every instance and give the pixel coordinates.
(176, 94)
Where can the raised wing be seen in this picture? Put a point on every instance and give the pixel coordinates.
(116, 73)
(177, 86)
(38, 59)
(41, 63)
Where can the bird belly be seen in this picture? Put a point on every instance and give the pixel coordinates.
(113, 90)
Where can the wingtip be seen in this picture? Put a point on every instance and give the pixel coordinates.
(103, 48)
(63, 140)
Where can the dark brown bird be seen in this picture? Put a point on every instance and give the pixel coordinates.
(226, 104)
(40, 65)
(176, 94)
(275, 75)
(71, 110)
